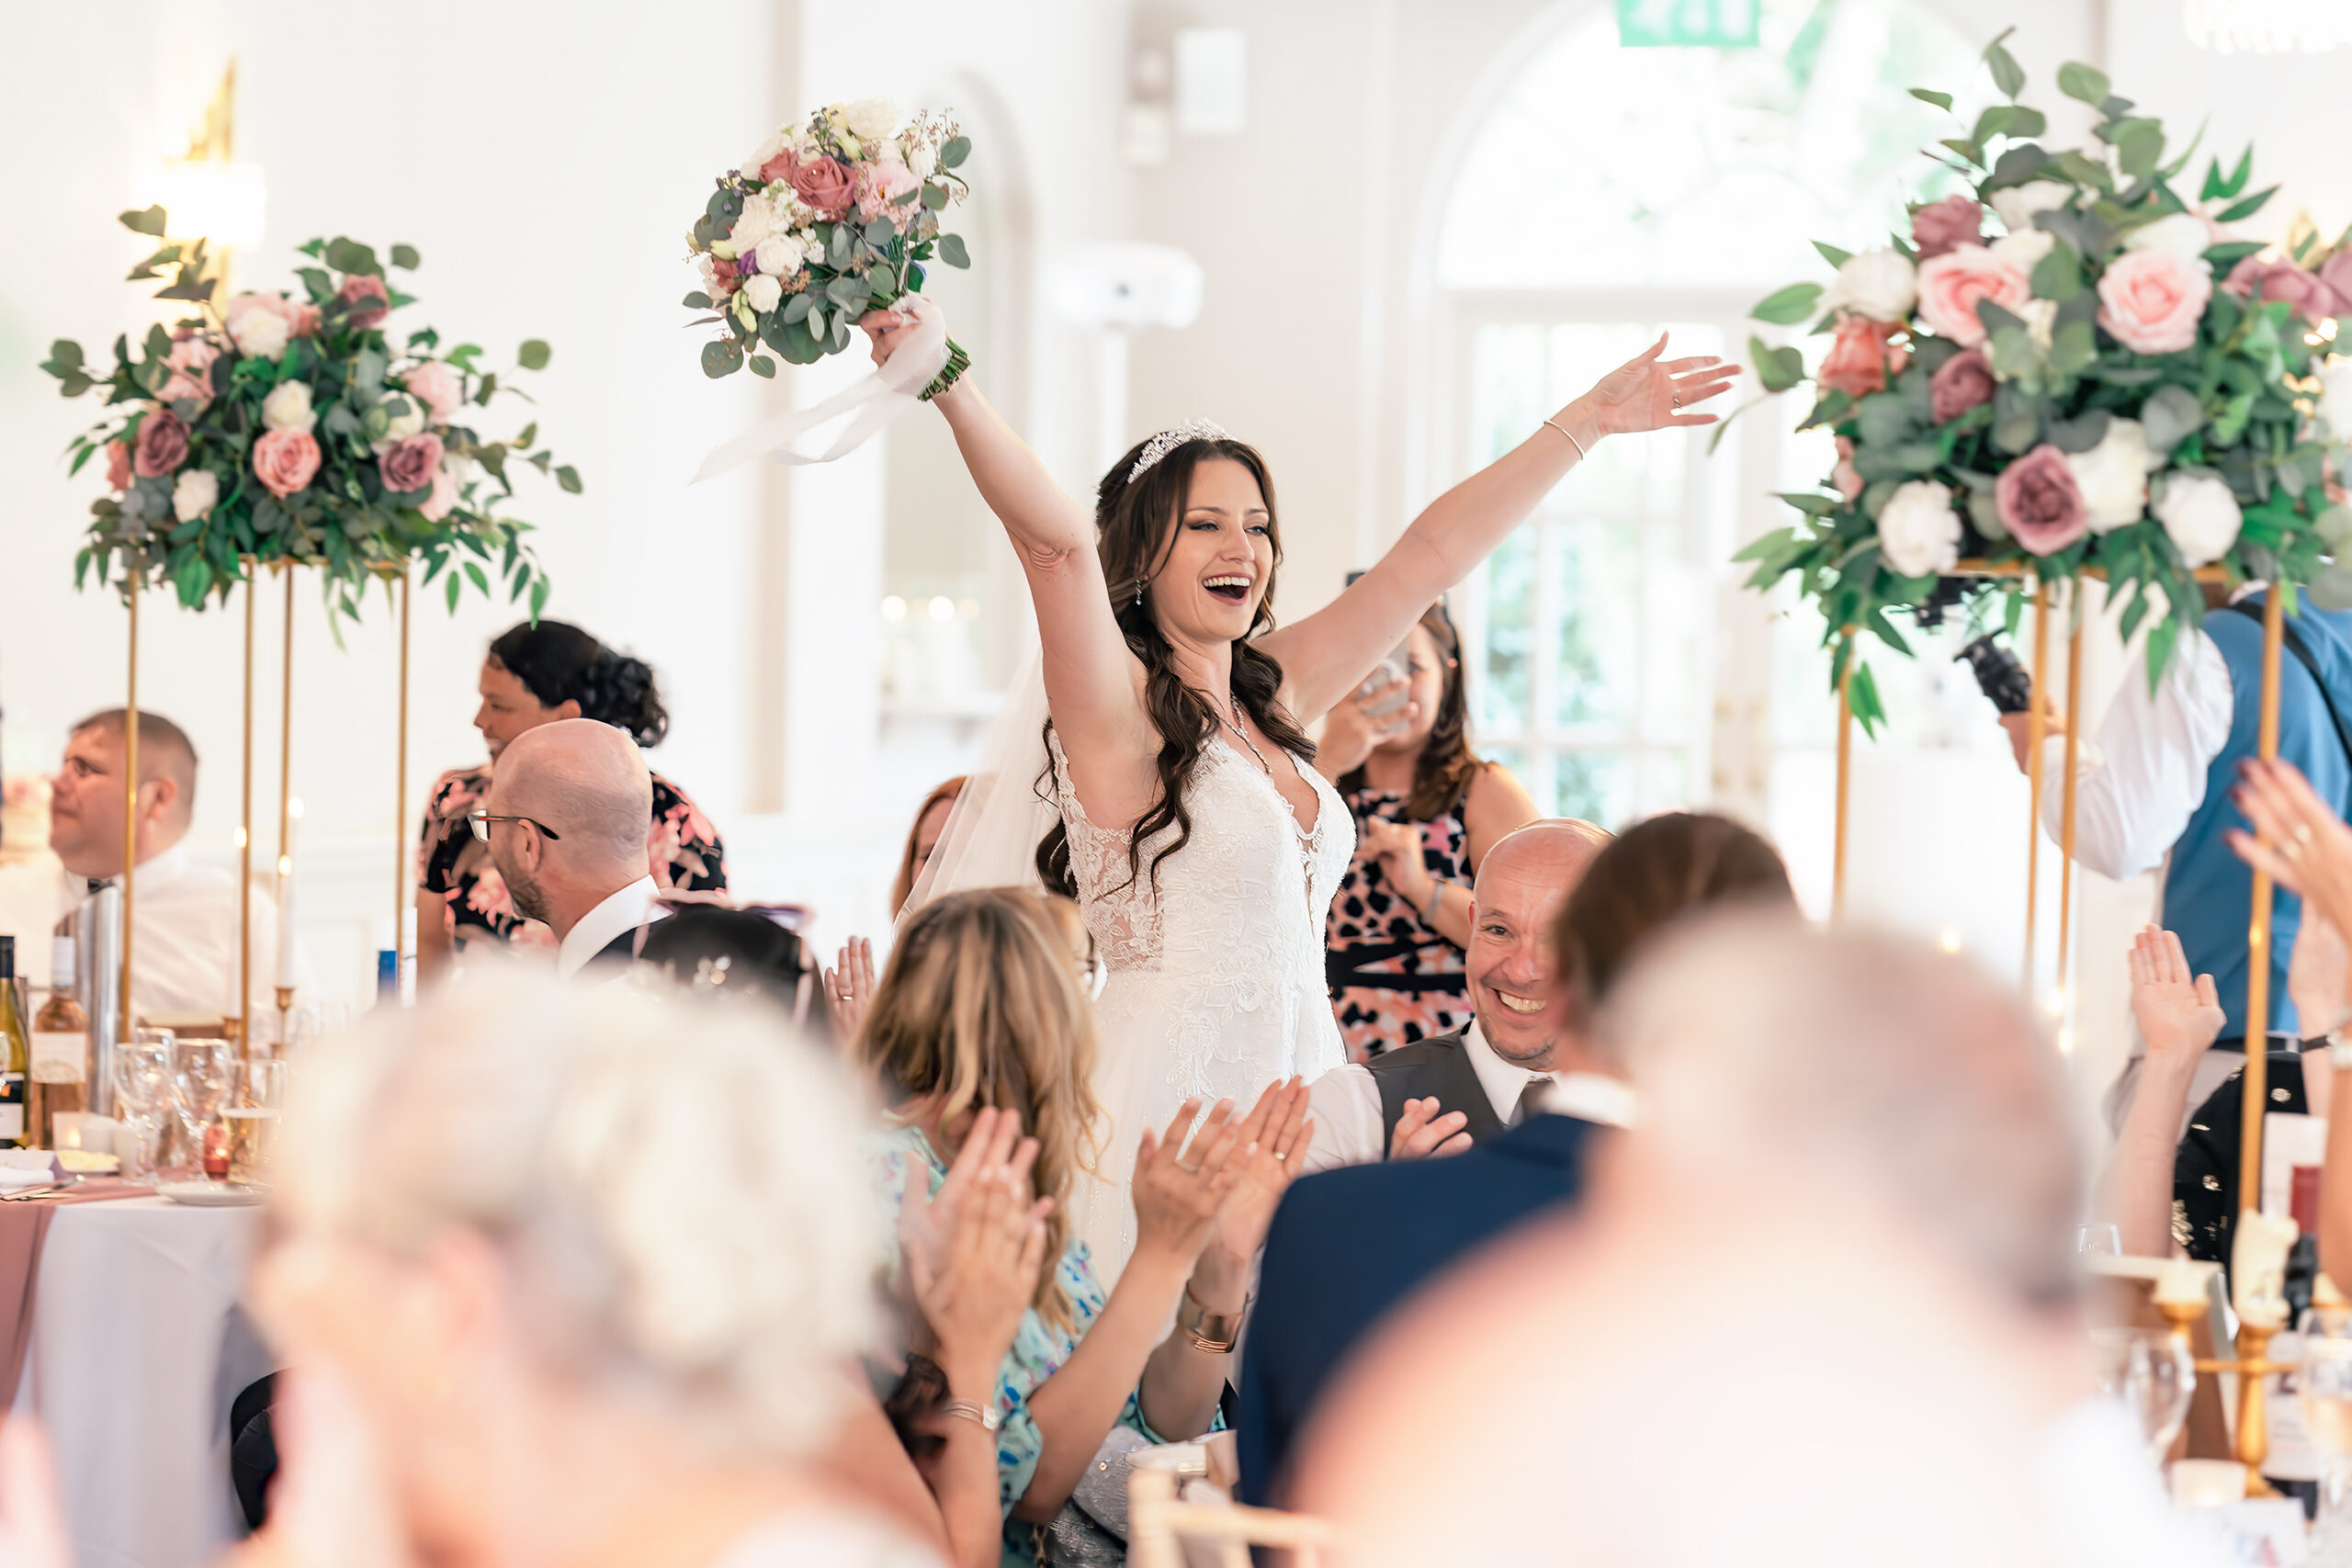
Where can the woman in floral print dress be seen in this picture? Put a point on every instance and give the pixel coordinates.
(535, 675)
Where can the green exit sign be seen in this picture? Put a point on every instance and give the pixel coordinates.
(1687, 24)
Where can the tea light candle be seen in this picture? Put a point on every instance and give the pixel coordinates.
(2258, 1268)
(2181, 1283)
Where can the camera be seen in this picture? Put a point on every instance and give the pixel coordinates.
(1998, 675)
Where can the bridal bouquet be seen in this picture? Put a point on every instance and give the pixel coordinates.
(2064, 366)
(284, 427)
(820, 224)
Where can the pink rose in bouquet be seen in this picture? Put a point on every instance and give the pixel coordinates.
(444, 498)
(410, 465)
(2040, 502)
(1950, 285)
(162, 445)
(190, 362)
(2336, 273)
(1964, 382)
(1847, 480)
(1945, 225)
(779, 167)
(365, 286)
(285, 460)
(436, 386)
(878, 185)
(2150, 302)
(1857, 361)
(723, 275)
(825, 184)
(2256, 277)
(118, 465)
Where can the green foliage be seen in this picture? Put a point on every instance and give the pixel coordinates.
(1789, 306)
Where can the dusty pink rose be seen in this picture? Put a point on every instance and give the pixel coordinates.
(2256, 277)
(1857, 363)
(410, 465)
(285, 460)
(1844, 476)
(2040, 502)
(365, 286)
(162, 445)
(436, 386)
(825, 184)
(1964, 382)
(190, 362)
(444, 498)
(723, 273)
(1942, 226)
(1951, 284)
(118, 465)
(777, 168)
(2336, 273)
(878, 185)
(2150, 302)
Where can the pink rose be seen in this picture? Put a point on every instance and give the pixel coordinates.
(2150, 302)
(1951, 284)
(777, 168)
(2336, 273)
(118, 465)
(2040, 502)
(190, 362)
(878, 185)
(1942, 226)
(1844, 476)
(410, 465)
(1857, 363)
(825, 184)
(1964, 382)
(364, 285)
(285, 460)
(161, 444)
(436, 386)
(723, 273)
(444, 498)
(2309, 295)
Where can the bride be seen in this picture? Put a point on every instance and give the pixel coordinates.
(1187, 818)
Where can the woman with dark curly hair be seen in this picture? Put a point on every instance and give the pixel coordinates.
(535, 674)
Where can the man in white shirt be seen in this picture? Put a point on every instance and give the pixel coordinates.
(1442, 1095)
(183, 914)
(565, 821)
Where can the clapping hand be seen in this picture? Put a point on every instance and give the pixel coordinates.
(849, 988)
(1421, 1132)
(2178, 1016)
(1274, 1140)
(975, 1248)
(1177, 1197)
(1648, 393)
(2308, 849)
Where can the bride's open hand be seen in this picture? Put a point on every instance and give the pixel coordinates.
(1650, 393)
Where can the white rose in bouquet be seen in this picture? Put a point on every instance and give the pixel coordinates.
(869, 119)
(2023, 247)
(780, 256)
(2018, 204)
(2184, 235)
(2113, 475)
(1879, 285)
(258, 334)
(762, 292)
(288, 407)
(2336, 400)
(755, 223)
(2201, 516)
(920, 156)
(403, 425)
(1918, 530)
(194, 493)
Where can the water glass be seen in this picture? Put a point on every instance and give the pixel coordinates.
(200, 1074)
(142, 1081)
(2106, 1241)
(2152, 1373)
(2325, 1378)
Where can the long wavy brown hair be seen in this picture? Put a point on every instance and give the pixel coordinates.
(981, 1004)
(1442, 774)
(1135, 527)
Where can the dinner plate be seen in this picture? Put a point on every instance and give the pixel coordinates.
(210, 1194)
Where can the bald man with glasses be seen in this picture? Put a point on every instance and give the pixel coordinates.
(565, 823)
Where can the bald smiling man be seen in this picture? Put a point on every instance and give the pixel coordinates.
(565, 821)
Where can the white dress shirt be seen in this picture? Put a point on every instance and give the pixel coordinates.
(632, 906)
(184, 939)
(1345, 1103)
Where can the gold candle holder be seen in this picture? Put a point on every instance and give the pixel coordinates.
(2252, 1365)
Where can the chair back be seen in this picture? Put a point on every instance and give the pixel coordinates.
(1160, 1524)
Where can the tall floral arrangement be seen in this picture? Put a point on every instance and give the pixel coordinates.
(824, 222)
(284, 427)
(2067, 366)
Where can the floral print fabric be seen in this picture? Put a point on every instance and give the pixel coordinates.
(1373, 933)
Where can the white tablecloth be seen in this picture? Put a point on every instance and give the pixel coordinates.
(138, 1346)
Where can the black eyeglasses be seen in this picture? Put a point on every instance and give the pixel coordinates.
(480, 820)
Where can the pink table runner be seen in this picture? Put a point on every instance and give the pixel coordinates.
(24, 1225)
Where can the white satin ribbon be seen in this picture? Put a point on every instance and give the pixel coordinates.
(868, 405)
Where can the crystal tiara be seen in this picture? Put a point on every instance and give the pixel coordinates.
(1167, 441)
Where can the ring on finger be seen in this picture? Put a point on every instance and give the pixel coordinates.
(2302, 832)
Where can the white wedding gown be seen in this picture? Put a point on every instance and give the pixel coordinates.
(1216, 977)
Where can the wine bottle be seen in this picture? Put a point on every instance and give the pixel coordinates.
(61, 1055)
(12, 1025)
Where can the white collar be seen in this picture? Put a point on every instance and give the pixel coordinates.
(163, 865)
(1590, 1096)
(623, 911)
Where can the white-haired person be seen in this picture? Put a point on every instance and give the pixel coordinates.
(570, 1279)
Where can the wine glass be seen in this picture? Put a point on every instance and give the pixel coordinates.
(2106, 1241)
(142, 1077)
(2153, 1373)
(200, 1072)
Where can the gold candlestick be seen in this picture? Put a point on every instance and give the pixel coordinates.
(2251, 1365)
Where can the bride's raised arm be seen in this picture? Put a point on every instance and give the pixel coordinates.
(1325, 656)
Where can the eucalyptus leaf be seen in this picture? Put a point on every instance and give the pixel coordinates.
(2082, 432)
(2170, 416)
(2082, 82)
(144, 220)
(954, 151)
(406, 258)
(2007, 75)
(951, 252)
(534, 355)
(1941, 100)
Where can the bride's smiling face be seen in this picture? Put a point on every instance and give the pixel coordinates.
(1213, 570)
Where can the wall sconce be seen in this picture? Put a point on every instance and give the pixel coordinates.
(206, 193)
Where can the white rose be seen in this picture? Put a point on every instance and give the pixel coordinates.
(2183, 234)
(756, 223)
(922, 158)
(1918, 532)
(288, 407)
(2018, 204)
(2336, 400)
(2113, 475)
(258, 335)
(2201, 515)
(403, 425)
(762, 292)
(869, 119)
(194, 493)
(1879, 285)
(2023, 247)
(780, 256)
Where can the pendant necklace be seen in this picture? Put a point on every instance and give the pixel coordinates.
(1246, 741)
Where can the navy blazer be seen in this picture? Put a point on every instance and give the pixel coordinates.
(1348, 1246)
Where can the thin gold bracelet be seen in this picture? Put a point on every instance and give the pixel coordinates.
(1581, 453)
